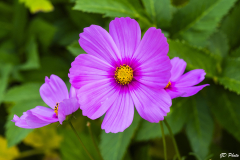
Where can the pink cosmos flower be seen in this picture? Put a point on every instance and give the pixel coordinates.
(54, 93)
(122, 70)
(182, 85)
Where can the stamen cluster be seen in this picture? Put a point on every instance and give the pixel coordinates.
(56, 108)
(124, 74)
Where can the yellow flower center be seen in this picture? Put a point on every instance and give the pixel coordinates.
(123, 74)
(169, 84)
(56, 108)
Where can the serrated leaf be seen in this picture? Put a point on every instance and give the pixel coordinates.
(230, 77)
(23, 92)
(110, 8)
(225, 108)
(218, 44)
(75, 49)
(176, 118)
(4, 72)
(198, 19)
(32, 55)
(72, 149)
(37, 6)
(230, 26)
(159, 11)
(113, 8)
(114, 145)
(200, 127)
(195, 58)
(16, 134)
(45, 138)
(7, 153)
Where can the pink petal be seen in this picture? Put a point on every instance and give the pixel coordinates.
(154, 73)
(178, 68)
(87, 68)
(95, 98)
(126, 33)
(120, 115)
(190, 78)
(174, 93)
(34, 121)
(152, 45)
(45, 114)
(150, 62)
(189, 91)
(20, 122)
(151, 104)
(73, 92)
(67, 107)
(53, 90)
(97, 41)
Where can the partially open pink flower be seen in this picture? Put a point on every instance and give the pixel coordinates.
(121, 71)
(54, 93)
(182, 85)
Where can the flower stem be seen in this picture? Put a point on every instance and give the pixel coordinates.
(164, 142)
(173, 139)
(80, 141)
(95, 144)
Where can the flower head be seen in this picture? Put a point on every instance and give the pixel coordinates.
(121, 71)
(182, 85)
(54, 93)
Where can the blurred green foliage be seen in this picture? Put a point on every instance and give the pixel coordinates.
(40, 38)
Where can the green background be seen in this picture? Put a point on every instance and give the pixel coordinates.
(40, 38)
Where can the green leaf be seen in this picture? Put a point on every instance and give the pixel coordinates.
(176, 118)
(230, 77)
(195, 58)
(159, 11)
(43, 30)
(113, 8)
(198, 20)
(179, 3)
(39, 5)
(72, 149)
(236, 52)
(110, 8)
(5, 19)
(8, 54)
(49, 65)
(75, 49)
(23, 92)
(218, 44)
(87, 19)
(16, 134)
(114, 145)
(20, 18)
(5, 72)
(32, 56)
(200, 126)
(230, 26)
(225, 108)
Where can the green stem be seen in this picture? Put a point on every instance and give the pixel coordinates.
(80, 141)
(173, 139)
(95, 144)
(164, 142)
